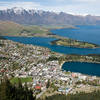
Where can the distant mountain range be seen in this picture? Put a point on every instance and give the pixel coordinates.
(39, 17)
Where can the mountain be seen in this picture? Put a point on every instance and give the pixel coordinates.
(39, 17)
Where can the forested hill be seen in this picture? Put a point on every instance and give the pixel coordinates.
(79, 96)
(10, 91)
(15, 92)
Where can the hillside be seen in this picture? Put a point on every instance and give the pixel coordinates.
(39, 17)
(12, 28)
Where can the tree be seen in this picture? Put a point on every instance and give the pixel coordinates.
(13, 92)
(48, 84)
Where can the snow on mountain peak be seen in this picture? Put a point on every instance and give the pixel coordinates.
(18, 10)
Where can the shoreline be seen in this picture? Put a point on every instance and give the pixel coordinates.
(66, 60)
(69, 60)
(82, 73)
(78, 61)
(59, 38)
(84, 62)
(62, 64)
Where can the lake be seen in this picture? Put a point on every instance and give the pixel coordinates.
(85, 68)
(87, 33)
(83, 33)
(45, 42)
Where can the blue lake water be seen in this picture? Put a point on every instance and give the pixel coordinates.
(83, 33)
(85, 68)
(45, 42)
(87, 33)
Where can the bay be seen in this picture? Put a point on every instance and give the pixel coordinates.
(86, 33)
(84, 68)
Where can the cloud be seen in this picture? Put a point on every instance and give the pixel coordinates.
(26, 5)
(77, 1)
(86, 0)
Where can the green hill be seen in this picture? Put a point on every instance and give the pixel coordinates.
(14, 29)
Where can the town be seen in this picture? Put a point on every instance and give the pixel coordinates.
(39, 68)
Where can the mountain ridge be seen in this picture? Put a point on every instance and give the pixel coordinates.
(40, 17)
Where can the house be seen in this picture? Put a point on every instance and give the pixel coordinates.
(38, 87)
(64, 90)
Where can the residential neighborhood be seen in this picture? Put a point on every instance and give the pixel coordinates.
(44, 75)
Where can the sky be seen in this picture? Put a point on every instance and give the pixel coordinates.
(77, 7)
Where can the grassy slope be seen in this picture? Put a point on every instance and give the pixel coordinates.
(9, 28)
(23, 80)
(14, 29)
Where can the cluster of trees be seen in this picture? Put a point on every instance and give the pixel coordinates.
(14, 92)
(79, 96)
(60, 59)
(93, 83)
(51, 58)
(1, 38)
(18, 92)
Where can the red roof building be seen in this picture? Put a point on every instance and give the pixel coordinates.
(37, 87)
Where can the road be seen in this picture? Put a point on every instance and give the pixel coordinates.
(39, 95)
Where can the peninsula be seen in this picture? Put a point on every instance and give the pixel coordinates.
(74, 43)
